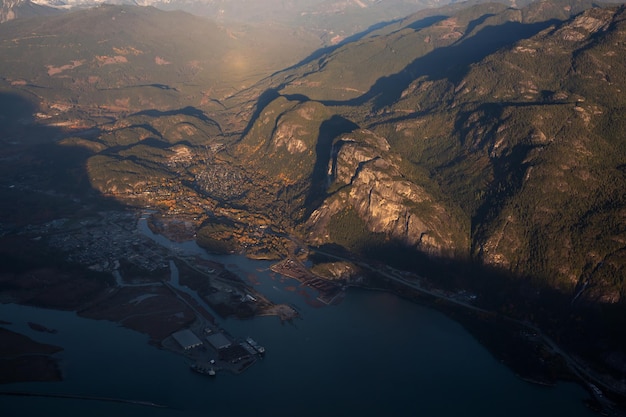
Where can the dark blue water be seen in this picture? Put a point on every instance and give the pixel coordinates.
(372, 355)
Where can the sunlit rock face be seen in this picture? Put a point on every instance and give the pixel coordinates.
(7, 11)
(14, 9)
(372, 184)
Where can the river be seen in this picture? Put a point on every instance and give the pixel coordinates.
(372, 355)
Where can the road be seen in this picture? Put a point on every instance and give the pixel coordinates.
(587, 376)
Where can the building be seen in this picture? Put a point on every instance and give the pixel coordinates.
(186, 339)
(218, 341)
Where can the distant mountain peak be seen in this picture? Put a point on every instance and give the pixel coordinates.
(13, 9)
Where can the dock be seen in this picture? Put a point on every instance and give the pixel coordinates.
(292, 268)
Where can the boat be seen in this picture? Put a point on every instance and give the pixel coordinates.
(260, 349)
(204, 370)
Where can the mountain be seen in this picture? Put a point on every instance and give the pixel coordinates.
(480, 144)
(14, 9)
(125, 59)
(401, 75)
(331, 20)
(490, 141)
(403, 135)
(556, 147)
(489, 137)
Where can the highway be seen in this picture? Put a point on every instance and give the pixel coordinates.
(586, 375)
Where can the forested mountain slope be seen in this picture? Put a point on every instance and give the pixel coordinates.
(482, 145)
(495, 133)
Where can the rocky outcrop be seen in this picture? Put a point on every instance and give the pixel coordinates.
(14, 9)
(9, 10)
(554, 208)
(281, 144)
(369, 180)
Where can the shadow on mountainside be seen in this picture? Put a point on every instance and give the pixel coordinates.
(273, 93)
(451, 62)
(186, 111)
(320, 53)
(585, 328)
(40, 179)
(328, 132)
(264, 99)
(509, 168)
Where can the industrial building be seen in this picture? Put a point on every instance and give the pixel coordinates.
(218, 341)
(187, 339)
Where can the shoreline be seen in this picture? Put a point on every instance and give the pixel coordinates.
(413, 290)
(23, 359)
(139, 296)
(598, 400)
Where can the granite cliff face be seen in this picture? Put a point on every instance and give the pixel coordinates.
(336, 166)
(282, 143)
(368, 179)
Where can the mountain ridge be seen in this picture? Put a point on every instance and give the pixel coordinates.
(18, 9)
(512, 160)
(483, 145)
(444, 194)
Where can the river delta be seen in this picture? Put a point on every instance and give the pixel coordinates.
(371, 354)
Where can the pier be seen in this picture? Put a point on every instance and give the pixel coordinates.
(292, 268)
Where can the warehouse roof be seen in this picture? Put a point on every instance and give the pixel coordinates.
(186, 339)
(218, 340)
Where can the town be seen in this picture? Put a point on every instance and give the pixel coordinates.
(190, 288)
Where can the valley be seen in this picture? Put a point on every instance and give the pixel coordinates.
(470, 157)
